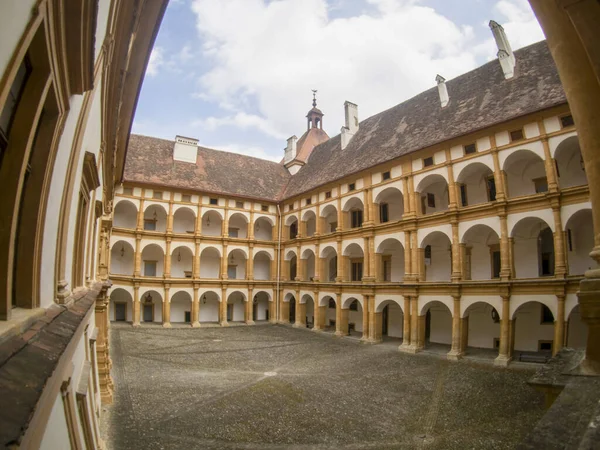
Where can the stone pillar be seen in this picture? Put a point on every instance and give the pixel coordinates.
(550, 166)
(318, 313)
(195, 309)
(498, 177)
(318, 222)
(340, 330)
(421, 332)
(300, 268)
(376, 328)
(224, 260)
(414, 324)
(505, 265)
(223, 308)
(136, 305)
(140, 216)
(340, 261)
(415, 260)
(166, 308)
(456, 351)
(249, 308)
(272, 311)
(198, 224)
(103, 345)
(302, 230)
(137, 270)
(225, 223)
(170, 218)
(196, 264)
(559, 325)
(373, 269)
(317, 276)
(456, 269)
(273, 269)
(378, 271)
(412, 195)
(167, 265)
(365, 317)
(453, 203)
(560, 265)
(300, 313)
(504, 355)
(250, 263)
(284, 311)
(511, 257)
(408, 270)
(251, 226)
(406, 324)
(369, 208)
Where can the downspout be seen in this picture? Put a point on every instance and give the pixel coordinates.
(277, 305)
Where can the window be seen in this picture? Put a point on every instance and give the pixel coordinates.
(150, 224)
(427, 255)
(186, 198)
(491, 188)
(496, 263)
(356, 218)
(10, 107)
(352, 186)
(332, 227)
(127, 191)
(239, 205)
(264, 208)
(149, 268)
(430, 200)
(290, 207)
(463, 195)
(213, 201)
(541, 185)
(356, 271)
(384, 212)
(546, 316)
(331, 303)
(328, 194)
(567, 121)
(428, 161)
(157, 195)
(294, 230)
(544, 346)
(516, 135)
(470, 149)
(386, 175)
(233, 232)
(354, 306)
(308, 201)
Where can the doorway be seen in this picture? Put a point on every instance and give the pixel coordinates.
(254, 311)
(292, 310)
(384, 320)
(229, 312)
(120, 312)
(427, 325)
(149, 312)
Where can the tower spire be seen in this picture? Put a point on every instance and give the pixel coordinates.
(314, 116)
(314, 91)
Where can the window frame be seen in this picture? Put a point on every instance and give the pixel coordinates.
(387, 175)
(351, 187)
(562, 119)
(516, 130)
(428, 161)
(213, 201)
(158, 195)
(356, 218)
(473, 146)
(328, 195)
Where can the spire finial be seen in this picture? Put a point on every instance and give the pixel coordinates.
(314, 91)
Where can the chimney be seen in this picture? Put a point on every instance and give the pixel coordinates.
(351, 112)
(442, 90)
(505, 53)
(185, 149)
(290, 149)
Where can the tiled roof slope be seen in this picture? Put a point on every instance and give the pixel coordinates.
(478, 99)
(150, 160)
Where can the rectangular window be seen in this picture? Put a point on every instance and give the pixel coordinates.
(308, 201)
(463, 195)
(541, 185)
(157, 195)
(386, 175)
(239, 205)
(357, 268)
(149, 268)
(496, 264)
(356, 218)
(567, 121)
(352, 186)
(427, 255)
(264, 208)
(545, 346)
(213, 201)
(428, 161)
(328, 194)
(424, 205)
(491, 188)
(150, 224)
(470, 149)
(290, 207)
(430, 200)
(186, 198)
(516, 135)
(233, 232)
(127, 191)
(384, 212)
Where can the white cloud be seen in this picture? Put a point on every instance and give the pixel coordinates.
(240, 120)
(156, 60)
(256, 152)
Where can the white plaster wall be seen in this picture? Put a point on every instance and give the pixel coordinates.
(528, 329)
(555, 141)
(502, 138)
(122, 265)
(329, 315)
(153, 253)
(56, 434)
(125, 215)
(238, 309)
(238, 221)
(102, 21)
(492, 222)
(520, 171)
(178, 268)
(209, 264)
(310, 311)
(395, 321)
(178, 308)
(543, 214)
(214, 229)
(531, 130)
(355, 317)
(482, 329)
(161, 215)
(526, 257)
(262, 267)
(552, 124)
(441, 261)
(456, 152)
(240, 269)
(441, 325)
(262, 306)
(209, 311)
(263, 230)
(440, 191)
(484, 144)
(481, 262)
(15, 17)
(184, 220)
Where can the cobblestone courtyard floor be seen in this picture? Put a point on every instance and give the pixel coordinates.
(268, 387)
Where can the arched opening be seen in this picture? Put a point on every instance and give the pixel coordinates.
(181, 308)
(151, 307)
(533, 328)
(290, 301)
(181, 262)
(353, 213)
(329, 264)
(310, 223)
(579, 241)
(480, 330)
(330, 313)
(263, 229)
(569, 164)
(354, 262)
(153, 261)
(525, 174)
(122, 258)
(577, 332)
(533, 248)
(433, 191)
(235, 307)
(476, 185)
(390, 319)
(184, 221)
(390, 254)
(238, 226)
(125, 215)
(435, 326)
(308, 259)
(262, 266)
(481, 253)
(329, 218)
(212, 223)
(292, 263)
(309, 310)
(121, 306)
(209, 307)
(236, 265)
(260, 306)
(155, 218)
(390, 204)
(355, 317)
(210, 263)
(292, 225)
(437, 257)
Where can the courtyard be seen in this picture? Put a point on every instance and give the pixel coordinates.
(274, 386)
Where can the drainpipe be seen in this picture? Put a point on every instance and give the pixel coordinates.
(278, 262)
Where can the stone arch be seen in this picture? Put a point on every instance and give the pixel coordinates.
(238, 226)
(353, 249)
(532, 326)
(383, 303)
(310, 219)
(155, 217)
(437, 256)
(236, 263)
(481, 253)
(121, 305)
(262, 265)
(476, 184)
(180, 304)
(182, 259)
(263, 228)
(125, 215)
(433, 190)
(352, 202)
(212, 222)
(210, 262)
(579, 240)
(533, 246)
(209, 305)
(392, 260)
(151, 306)
(152, 260)
(329, 218)
(236, 306)
(391, 204)
(184, 220)
(521, 168)
(569, 164)
(260, 305)
(122, 258)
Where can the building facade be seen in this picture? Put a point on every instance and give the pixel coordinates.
(460, 217)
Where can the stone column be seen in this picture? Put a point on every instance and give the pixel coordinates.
(340, 223)
(340, 330)
(317, 276)
(224, 275)
(455, 253)
(377, 270)
(367, 268)
(498, 177)
(300, 312)
(196, 264)
(511, 257)
(195, 308)
(250, 262)
(140, 216)
(408, 270)
(412, 195)
(560, 265)
(376, 327)
(103, 345)
(284, 311)
(318, 313)
(223, 308)
(505, 266)
(318, 222)
(249, 308)
(406, 324)
(365, 317)
(137, 270)
(453, 203)
(198, 225)
(464, 334)
(504, 355)
(456, 352)
(421, 332)
(559, 325)
(273, 269)
(302, 230)
(340, 261)
(167, 308)
(167, 265)
(272, 311)
(251, 226)
(415, 260)
(549, 165)
(136, 305)
(225, 223)
(370, 208)
(170, 218)
(414, 324)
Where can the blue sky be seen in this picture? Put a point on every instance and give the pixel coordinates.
(238, 74)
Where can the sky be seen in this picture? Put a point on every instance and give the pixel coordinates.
(238, 74)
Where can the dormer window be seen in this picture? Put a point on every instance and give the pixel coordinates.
(239, 205)
(516, 135)
(328, 194)
(567, 121)
(351, 186)
(264, 208)
(213, 201)
(428, 161)
(308, 201)
(386, 175)
(470, 149)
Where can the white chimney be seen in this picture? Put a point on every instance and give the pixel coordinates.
(186, 149)
(505, 53)
(290, 150)
(351, 112)
(442, 90)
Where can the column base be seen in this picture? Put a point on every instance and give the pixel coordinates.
(167, 325)
(340, 334)
(135, 325)
(453, 355)
(502, 360)
(372, 341)
(250, 322)
(195, 324)
(412, 349)
(224, 324)
(316, 330)
(299, 325)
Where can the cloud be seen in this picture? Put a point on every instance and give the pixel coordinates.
(254, 151)
(240, 120)
(156, 60)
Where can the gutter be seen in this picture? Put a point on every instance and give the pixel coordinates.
(277, 305)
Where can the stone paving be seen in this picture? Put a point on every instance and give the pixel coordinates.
(273, 386)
